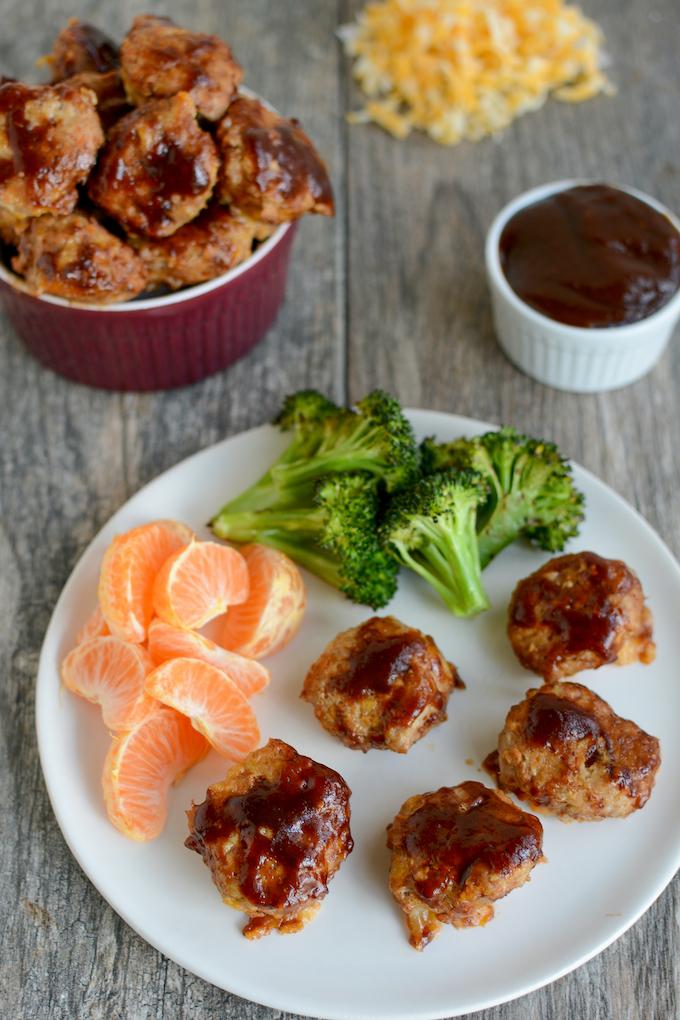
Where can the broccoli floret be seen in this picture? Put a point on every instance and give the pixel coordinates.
(327, 439)
(302, 415)
(375, 438)
(531, 489)
(431, 528)
(335, 537)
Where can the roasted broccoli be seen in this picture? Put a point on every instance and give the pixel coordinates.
(327, 439)
(431, 528)
(335, 536)
(531, 489)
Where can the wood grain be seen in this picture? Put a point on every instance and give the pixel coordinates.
(391, 293)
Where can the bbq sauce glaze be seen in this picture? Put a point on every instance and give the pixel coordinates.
(592, 256)
(284, 828)
(453, 836)
(581, 614)
(398, 669)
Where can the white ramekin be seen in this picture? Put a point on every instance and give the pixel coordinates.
(571, 357)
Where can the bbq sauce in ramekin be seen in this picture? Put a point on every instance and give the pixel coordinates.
(592, 256)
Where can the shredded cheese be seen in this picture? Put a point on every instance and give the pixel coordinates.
(467, 68)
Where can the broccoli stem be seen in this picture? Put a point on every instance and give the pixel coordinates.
(251, 526)
(278, 530)
(304, 472)
(450, 563)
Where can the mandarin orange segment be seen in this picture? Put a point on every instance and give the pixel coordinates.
(142, 764)
(211, 700)
(111, 673)
(94, 626)
(274, 609)
(198, 583)
(128, 573)
(168, 642)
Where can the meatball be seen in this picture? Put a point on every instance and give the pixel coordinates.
(49, 137)
(157, 169)
(112, 102)
(11, 226)
(160, 59)
(201, 250)
(273, 833)
(81, 47)
(566, 751)
(579, 612)
(74, 257)
(270, 169)
(454, 852)
(381, 684)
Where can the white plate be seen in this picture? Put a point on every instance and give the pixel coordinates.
(354, 959)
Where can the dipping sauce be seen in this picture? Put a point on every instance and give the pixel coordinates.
(592, 256)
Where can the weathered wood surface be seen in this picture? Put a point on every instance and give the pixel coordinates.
(391, 293)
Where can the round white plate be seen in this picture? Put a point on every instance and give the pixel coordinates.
(354, 960)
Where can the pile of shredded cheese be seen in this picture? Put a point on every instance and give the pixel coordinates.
(466, 68)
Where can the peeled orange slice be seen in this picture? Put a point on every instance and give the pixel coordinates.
(140, 767)
(198, 583)
(168, 642)
(211, 700)
(274, 609)
(94, 626)
(128, 573)
(111, 673)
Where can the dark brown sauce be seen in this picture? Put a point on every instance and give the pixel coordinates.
(167, 171)
(381, 662)
(552, 721)
(300, 814)
(397, 669)
(102, 52)
(490, 832)
(27, 141)
(283, 155)
(581, 615)
(592, 256)
(491, 764)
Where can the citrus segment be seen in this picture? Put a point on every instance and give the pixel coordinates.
(211, 700)
(168, 642)
(111, 673)
(94, 626)
(274, 609)
(128, 572)
(140, 767)
(198, 583)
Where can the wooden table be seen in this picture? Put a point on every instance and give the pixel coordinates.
(392, 294)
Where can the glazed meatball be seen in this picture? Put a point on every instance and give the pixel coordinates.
(270, 168)
(49, 137)
(157, 169)
(201, 250)
(112, 102)
(273, 834)
(566, 751)
(579, 612)
(381, 684)
(160, 59)
(74, 257)
(81, 47)
(454, 852)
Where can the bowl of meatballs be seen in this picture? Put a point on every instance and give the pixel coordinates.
(147, 206)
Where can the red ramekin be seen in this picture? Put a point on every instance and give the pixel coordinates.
(155, 343)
